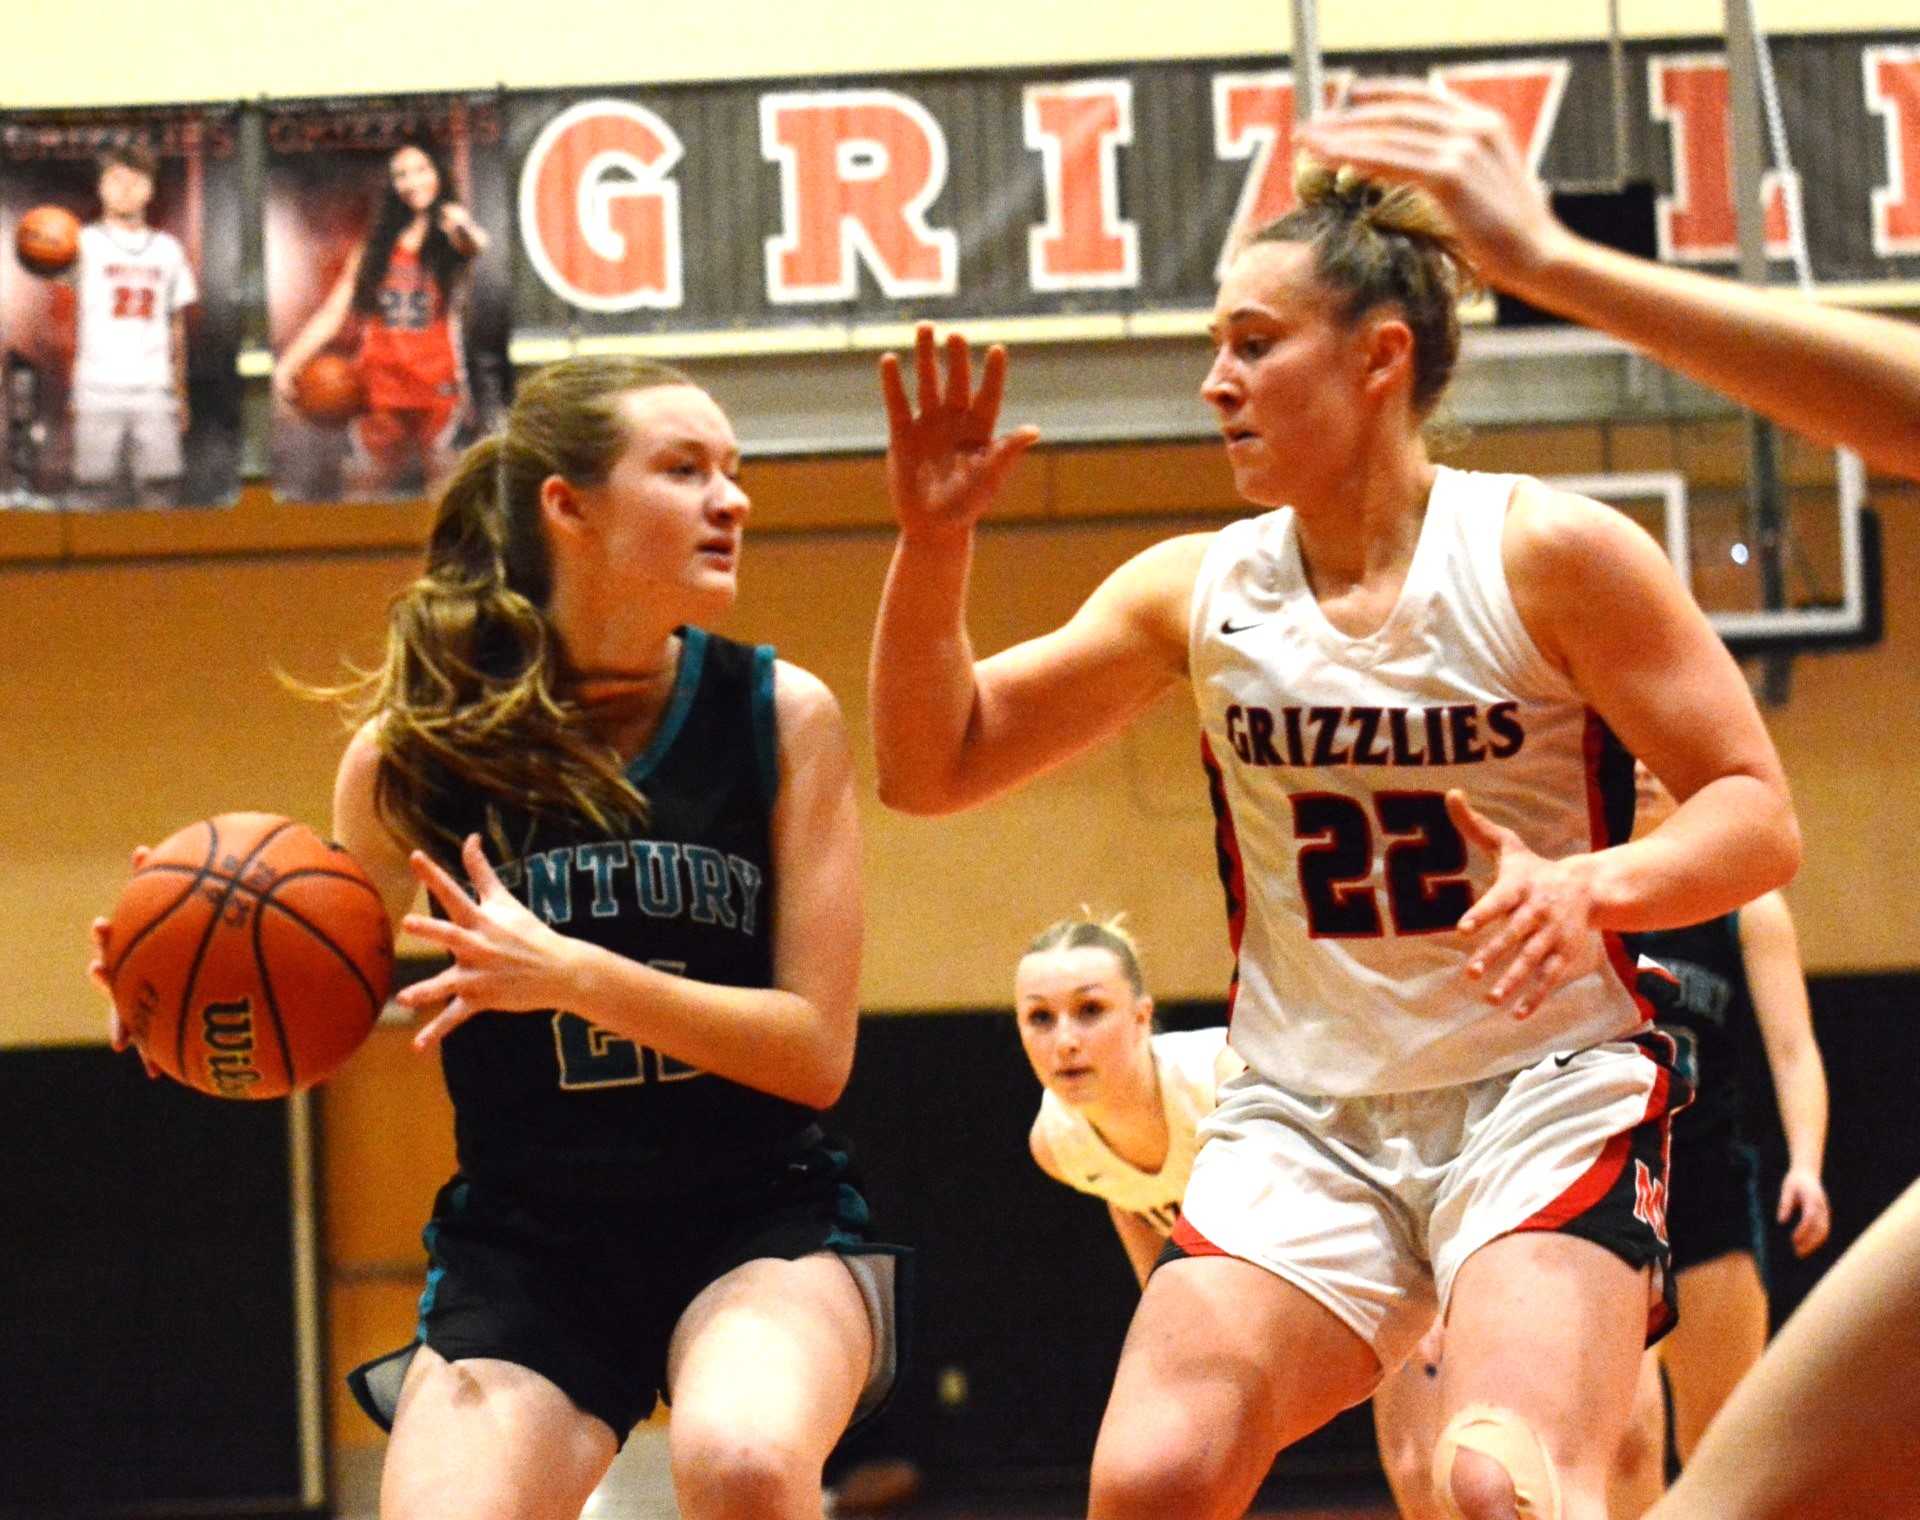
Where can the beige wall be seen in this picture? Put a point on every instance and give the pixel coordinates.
(121, 51)
(140, 694)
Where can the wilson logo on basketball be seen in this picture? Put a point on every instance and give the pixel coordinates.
(227, 1029)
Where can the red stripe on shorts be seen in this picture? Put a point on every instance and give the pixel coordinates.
(1597, 1180)
(1191, 1241)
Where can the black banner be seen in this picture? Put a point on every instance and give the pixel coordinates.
(1117, 190)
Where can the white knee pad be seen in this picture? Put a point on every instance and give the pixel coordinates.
(1501, 1436)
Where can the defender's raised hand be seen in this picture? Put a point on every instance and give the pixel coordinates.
(1460, 153)
(944, 464)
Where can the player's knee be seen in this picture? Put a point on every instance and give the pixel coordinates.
(1490, 1464)
(719, 1475)
(1145, 1478)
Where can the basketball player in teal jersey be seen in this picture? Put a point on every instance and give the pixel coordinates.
(1822, 1425)
(642, 843)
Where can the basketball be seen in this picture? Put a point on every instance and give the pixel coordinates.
(48, 239)
(328, 389)
(249, 957)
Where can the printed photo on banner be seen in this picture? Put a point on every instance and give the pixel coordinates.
(387, 292)
(119, 310)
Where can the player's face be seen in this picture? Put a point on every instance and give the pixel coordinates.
(1284, 373)
(1080, 1023)
(670, 517)
(124, 191)
(415, 180)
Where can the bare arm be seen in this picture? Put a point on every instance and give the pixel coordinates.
(1605, 607)
(1140, 1240)
(358, 826)
(1770, 951)
(1604, 604)
(793, 1039)
(950, 732)
(1841, 377)
(319, 330)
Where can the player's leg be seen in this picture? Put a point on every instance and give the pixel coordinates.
(1225, 1364)
(1721, 1334)
(764, 1372)
(155, 461)
(483, 1439)
(1640, 1465)
(1544, 1338)
(1822, 1427)
(1406, 1423)
(99, 439)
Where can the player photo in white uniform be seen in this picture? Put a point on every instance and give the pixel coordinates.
(126, 408)
(1374, 1068)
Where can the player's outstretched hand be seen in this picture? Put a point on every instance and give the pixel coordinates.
(505, 960)
(1460, 153)
(944, 464)
(1534, 924)
(99, 932)
(1803, 1202)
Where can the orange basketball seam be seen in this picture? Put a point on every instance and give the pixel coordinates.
(206, 939)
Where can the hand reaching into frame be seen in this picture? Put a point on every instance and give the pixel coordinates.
(505, 960)
(99, 932)
(1460, 153)
(1536, 919)
(944, 464)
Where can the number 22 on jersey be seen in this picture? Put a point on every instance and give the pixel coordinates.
(1424, 864)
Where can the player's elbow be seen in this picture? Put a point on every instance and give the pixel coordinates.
(916, 792)
(1784, 848)
(826, 1076)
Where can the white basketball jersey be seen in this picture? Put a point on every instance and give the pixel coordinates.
(1184, 1063)
(130, 286)
(1329, 758)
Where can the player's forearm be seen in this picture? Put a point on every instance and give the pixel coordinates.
(1800, 1087)
(761, 1037)
(1838, 376)
(921, 678)
(1731, 841)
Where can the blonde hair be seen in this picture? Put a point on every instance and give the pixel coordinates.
(467, 697)
(1082, 930)
(1383, 245)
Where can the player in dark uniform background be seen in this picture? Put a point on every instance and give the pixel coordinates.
(652, 993)
(1735, 986)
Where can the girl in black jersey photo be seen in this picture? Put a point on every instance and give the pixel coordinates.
(642, 848)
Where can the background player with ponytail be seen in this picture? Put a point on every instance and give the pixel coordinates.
(1451, 1101)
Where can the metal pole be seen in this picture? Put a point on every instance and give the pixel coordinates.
(1308, 75)
(1766, 495)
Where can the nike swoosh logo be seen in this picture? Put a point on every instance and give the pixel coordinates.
(1227, 625)
(1564, 1060)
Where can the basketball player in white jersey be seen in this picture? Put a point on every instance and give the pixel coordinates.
(1823, 1424)
(1119, 1105)
(1409, 681)
(133, 284)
